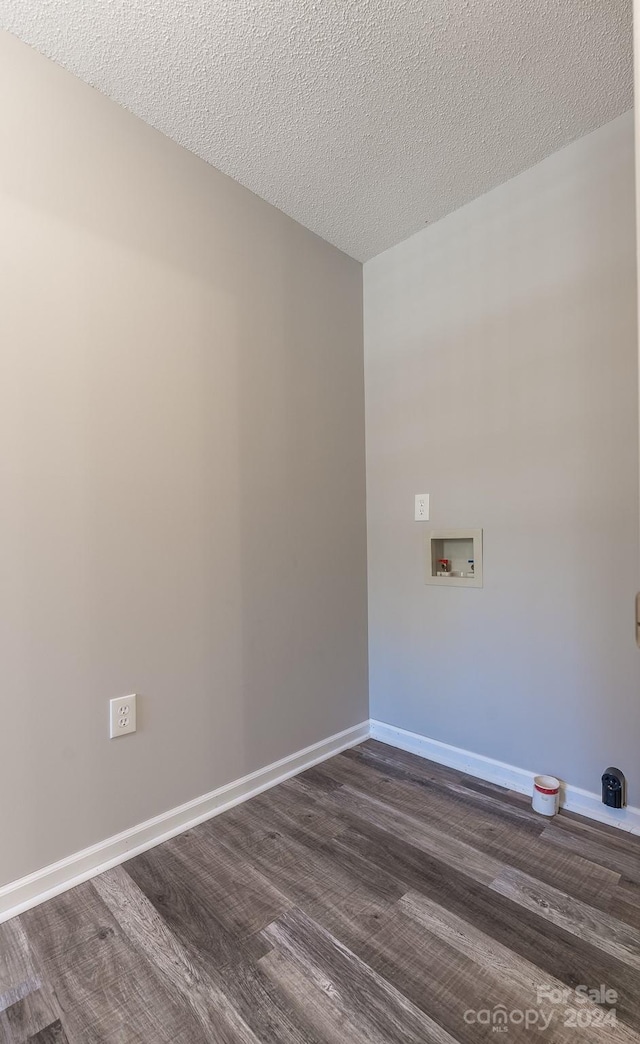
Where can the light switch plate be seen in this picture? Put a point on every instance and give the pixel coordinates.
(422, 507)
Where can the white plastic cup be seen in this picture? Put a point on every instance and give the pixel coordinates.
(546, 795)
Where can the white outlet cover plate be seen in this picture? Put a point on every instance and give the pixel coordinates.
(422, 507)
(122, 716)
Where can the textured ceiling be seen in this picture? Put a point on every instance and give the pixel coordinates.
(362, 119)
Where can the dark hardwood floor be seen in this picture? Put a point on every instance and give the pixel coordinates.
(376, 898)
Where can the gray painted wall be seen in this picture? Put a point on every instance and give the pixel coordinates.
(500, 370)
(182, 468)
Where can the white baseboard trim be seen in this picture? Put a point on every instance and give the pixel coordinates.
(574, 799)
(21, 895)
(29, 891)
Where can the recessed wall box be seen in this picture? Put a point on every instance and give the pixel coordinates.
(453, 557)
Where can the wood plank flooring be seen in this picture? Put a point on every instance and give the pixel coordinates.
(376, 898)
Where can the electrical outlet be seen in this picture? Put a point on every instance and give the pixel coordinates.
(122, 716)
(422, 507)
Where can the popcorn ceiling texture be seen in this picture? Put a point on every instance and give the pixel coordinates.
(362, 120)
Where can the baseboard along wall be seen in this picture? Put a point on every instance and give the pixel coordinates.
(21, 895)
(574, 799)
